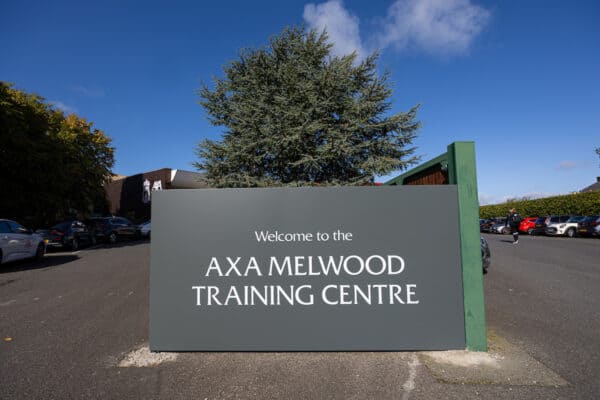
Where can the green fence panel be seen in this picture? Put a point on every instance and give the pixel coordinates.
(459, 162)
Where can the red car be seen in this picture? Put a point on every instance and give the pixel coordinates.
(527, 225)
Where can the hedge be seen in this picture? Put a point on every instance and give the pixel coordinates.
(571, 204)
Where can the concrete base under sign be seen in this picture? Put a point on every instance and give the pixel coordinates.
(503, 364)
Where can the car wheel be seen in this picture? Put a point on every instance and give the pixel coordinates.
(74, 244)
(570, 232)
(112, 238)
(0, 257)
(40, 251)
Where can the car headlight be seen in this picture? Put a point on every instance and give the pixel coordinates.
(562, 225)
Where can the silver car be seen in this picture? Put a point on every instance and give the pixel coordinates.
(17, 243)
(144, 230)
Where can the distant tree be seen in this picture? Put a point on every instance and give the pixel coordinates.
(52, 166)
(598, 151)
(296, 115)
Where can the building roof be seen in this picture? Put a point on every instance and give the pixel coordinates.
(181, 179)
(116, 177)
(594, 187)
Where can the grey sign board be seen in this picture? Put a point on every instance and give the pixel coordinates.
(306, 269)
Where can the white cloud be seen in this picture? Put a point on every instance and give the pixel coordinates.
(485, 199)
(435, 26)
(441, 27)
(342, 27)
(63, 107)
(567, 164)
(88, 92)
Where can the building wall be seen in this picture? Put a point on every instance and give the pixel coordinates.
(434, 175)
(126, 196)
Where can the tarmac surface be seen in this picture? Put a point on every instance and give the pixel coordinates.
(75, 325)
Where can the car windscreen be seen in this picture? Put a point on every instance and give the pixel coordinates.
(4, 228)
(575, 219)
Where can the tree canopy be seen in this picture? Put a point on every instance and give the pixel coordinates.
(294, 114)
(53, 166)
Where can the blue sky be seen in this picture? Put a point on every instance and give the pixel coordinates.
(520, 78)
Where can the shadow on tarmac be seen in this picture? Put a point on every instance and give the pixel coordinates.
(51, 261)
(124, 243)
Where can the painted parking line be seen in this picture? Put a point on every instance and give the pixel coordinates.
(7, 303)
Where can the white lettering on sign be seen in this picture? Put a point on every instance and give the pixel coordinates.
(304, 267)
(333, 295)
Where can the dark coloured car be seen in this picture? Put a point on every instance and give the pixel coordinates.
(44, 233)
(538, 226)
(485, 254)
(588, 226)
(98, 228)
(71, 234)
(487, 226)
(112, 229)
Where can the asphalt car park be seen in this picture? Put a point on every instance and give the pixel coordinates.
(68, 321)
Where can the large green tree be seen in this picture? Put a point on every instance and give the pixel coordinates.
(294, 114)
(53, 166)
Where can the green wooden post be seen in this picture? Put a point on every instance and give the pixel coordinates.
(461, 172)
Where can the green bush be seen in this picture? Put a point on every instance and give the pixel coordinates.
(571, 204)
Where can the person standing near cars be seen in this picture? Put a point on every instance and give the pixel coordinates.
(513, 219)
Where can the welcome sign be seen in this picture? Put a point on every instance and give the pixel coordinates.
(306, 269)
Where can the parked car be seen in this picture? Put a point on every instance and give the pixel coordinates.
(487, 226)
(113, 229)
(550, 220)
(97, 227)
(45, 234)
(485, 254)
(527, 225)
(143, 230)
(500, 228)
(70, 234)
(567, 228)
(589, 226)
(539, 226)
(17, 242)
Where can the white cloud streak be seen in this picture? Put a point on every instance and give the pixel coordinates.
(437, 27)
(342, 27)
(88, 92)
(443, 27)
(63, 107)
(486, 199)
(567, 164)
